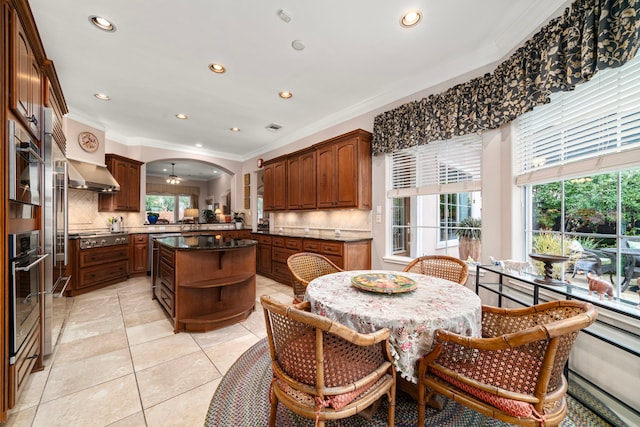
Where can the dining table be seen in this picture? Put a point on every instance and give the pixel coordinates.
(411, 305)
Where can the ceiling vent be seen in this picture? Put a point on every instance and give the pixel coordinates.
(273, 127)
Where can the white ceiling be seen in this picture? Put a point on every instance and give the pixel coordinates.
(357, 58)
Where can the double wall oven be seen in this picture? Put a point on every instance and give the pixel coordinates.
(25, 288)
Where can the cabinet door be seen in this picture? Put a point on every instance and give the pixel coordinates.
(326, 177)
(26, 89)
(308, 180)
(346, 177)
(294, 171)
(133, 188)
(275, 190)
(139, 258)
(120, 170)
(263, 260)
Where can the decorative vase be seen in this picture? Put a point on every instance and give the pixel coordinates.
(239, 225)
(152, 219)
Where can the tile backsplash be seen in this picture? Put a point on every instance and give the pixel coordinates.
(84, 215)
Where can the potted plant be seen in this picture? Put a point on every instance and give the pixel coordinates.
(152, 217)
(469, 233)
(209, 216)
(238, 218)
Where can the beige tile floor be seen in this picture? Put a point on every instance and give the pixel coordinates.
(118, 363)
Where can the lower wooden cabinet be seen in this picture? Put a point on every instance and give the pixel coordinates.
(96, 267)
(273, 251)
(139, 259)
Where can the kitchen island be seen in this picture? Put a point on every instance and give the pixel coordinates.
(205, 282)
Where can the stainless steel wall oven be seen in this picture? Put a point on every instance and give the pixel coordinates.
(24, 287)
(25, 166)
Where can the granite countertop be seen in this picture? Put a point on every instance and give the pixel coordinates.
(205, 242)
(328, 235)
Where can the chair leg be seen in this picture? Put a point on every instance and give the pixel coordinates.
(272, 412)
(421, 403)
(391, 415)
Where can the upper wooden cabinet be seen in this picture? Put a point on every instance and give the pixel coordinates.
(26, 79)
(332, 174)
(55, 100)
(127, 173)
(301, 180)
(275, 185)
(344, 171)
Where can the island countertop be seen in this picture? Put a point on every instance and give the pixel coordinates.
(205, 242)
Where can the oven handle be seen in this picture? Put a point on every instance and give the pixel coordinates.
(31, 152)
(28, 267)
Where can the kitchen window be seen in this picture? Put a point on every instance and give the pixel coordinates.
(170, 207)
(433, 188)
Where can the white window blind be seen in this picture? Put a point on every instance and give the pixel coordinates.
(438, 167)
(594, 128)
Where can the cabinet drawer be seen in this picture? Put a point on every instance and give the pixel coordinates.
(140, 238)
(98, 256)
(281, 272)
(165, 275)
(166, 255)
(166, 298)
(330, 248)
(102, 273)
(292, 243)
(278, 241)
(281, 255)
(263, 240)
(323, 247)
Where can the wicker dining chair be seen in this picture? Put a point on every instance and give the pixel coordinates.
(306, 266)
(322, 369)
(443, 266)
(514, 373)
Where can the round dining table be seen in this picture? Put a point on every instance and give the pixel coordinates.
(412, 315)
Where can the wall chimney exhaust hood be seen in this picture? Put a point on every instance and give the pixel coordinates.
(87, 176)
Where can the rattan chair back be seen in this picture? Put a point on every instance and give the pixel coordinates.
(322, 369)
(306, 266)
(443, 266)
(514, 373)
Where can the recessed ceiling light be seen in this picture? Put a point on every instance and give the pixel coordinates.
(182, 116)
(102, 96)
(102, 23)
(285, 95)
(234, 129)
(298, 45)
(282, 14)
(411, 18)
(217, 68)
(199, 145)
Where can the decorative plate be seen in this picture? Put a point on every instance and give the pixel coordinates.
(88, 141)
(385, 283)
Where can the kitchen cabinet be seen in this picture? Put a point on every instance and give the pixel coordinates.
(274, 250)
(95, 268)
(275, 185)
(332, 174)
(127, 173)
(55, 100)
(344, 171)
(25, 79)
(301, 180)
(263, 254)
(139, 258)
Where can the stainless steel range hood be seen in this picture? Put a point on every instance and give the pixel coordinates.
(87, 176)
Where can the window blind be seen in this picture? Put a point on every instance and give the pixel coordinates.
(594, 128)
(439, 167)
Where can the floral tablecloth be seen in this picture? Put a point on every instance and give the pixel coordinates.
(412, 317)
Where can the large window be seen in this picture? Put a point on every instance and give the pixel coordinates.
(170, 207)
(433, 188)
(578, 159)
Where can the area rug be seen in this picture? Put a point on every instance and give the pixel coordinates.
(242, 400)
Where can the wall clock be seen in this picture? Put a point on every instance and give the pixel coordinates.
(88, 141)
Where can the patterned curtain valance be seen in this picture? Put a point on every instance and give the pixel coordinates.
(591, 35)
(172, 189)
